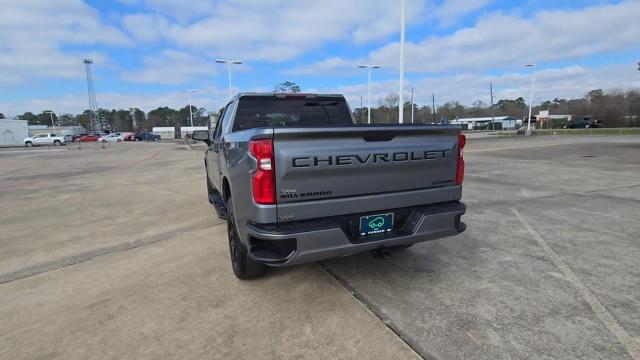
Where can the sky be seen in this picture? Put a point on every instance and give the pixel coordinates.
(145, 52)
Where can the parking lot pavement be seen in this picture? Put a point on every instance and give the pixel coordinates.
(549, 266)
(116, 254)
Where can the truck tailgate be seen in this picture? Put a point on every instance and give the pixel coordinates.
(334, 165)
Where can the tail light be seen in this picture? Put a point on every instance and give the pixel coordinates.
(462, 140)
(263, 179)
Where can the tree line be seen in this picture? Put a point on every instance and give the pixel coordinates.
(123, 120)
(614, 108)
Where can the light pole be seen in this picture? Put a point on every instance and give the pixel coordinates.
(412, 90)
(369, 67)
(401, 99)
(533, 78)
(53, 126)
(190, 112)
(229, 63)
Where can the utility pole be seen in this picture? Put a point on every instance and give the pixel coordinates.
(93, 103)
(412, 90)
(493, 110)
(369, 67)
(360, 117)
(533, 78)
(190, 111)
(401, 102)
(433, 106)
(53, 125)
(134, 122)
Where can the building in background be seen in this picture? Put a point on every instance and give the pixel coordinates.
(165, 132)
(58, 130)
(188, 130)
(13, 132)
(484, 123)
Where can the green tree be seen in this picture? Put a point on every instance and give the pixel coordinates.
(29, 116)
(83, 119)
(139, 119)
(44, 118)
(2, 116)
(287, 87)
(67, 120)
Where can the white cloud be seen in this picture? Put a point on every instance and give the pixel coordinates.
(499, 40)
(210, 98)
(32, 33)
(334, 65)
(145, 27)
(274, 30)
(182, 10)
(452, 10)
(171, 67)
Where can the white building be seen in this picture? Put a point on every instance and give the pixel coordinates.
(165, 132)
(58, 130)
(190, 129)
(508, 122)
(13, 132)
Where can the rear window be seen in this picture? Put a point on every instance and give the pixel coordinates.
(256, 112)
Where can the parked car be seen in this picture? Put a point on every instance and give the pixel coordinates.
(581, 123)
(114, 137)
(89, 138)
(44, 139)
(78, 136)
(128, 136)
(146, 136)
(299, 181)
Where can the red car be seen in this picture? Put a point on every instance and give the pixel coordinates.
(89, 138)
(129, 136)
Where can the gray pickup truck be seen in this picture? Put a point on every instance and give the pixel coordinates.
(297, 180)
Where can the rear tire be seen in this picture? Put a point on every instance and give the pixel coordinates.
(28, 144)
(244, 267)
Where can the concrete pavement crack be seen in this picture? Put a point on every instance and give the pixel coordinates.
(92, 254)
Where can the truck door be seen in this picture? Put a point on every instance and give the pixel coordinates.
(215, 149)
(41, 139)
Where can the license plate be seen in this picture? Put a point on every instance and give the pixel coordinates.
(376, 224)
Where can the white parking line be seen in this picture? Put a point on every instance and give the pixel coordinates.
(516, 147)
(633, 347)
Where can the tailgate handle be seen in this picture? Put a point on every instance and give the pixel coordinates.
(378, 137)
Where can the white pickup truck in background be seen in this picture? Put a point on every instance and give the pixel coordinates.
(44, 139)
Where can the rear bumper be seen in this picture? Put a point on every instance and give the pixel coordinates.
(308, 241)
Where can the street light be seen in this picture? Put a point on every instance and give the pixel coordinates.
(401, 100)
(533, 77)
(190, 112)
(369, 67)
(53, 126)
(229, 63)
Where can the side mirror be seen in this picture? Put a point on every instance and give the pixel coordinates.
(202, 135)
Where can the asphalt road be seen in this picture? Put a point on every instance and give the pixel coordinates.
(115, 253)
